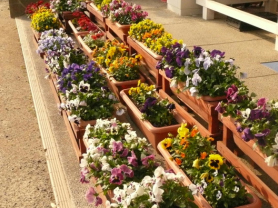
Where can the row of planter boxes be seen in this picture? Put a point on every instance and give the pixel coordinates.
(204, 107)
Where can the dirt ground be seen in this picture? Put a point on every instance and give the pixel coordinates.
(24, 175)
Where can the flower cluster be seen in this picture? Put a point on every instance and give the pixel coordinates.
(205, 73)
(256, 119)
(66, 5)
(34, 7)
(152, 35)
(163, 189)
(83, 23)
(109, 52)
(115, 156)
(154, 109)
(145, 29)
(44, 19)
(126, 13)
(211, 177)
(94, 40)
(141, 93)
(75, 74)
(125, 68)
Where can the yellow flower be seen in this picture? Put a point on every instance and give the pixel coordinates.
(207, 177)
(210, 139)
(215, 161)
(183, 131)
(166, 143)
(46, 27)
(196, 164)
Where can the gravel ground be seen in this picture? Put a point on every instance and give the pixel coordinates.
(23, 171)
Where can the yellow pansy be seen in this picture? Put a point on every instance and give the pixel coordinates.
(215, 161)
(183, 131)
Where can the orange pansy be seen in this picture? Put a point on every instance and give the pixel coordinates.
(178, 161)
(182, 155)
(203, 155)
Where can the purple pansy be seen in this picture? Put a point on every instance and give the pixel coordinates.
(197, 51)
(169, 72)
(146, 160)
(83, 178)
(247, 135)
(116, 176)
(127, 171)
(214, 53)
(219, 108)
(132, 159)
(261, 137)
(124, 153)
(117, 147)
(150, 101)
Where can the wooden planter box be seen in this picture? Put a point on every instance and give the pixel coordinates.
(86, 49)
(199, 199)
(116, 30)
(65, 17)
(232, 141)
(156, 134)
(203, 107)
(96, 15)
(149, 57)
(117, 86)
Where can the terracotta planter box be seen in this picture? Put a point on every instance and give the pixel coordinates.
(203, 107)
(199, 199)
(117, 86)
(149, 57)
(65, 17)
(86, 49)
(153, 134)
(120, 31)
(96, 15)
(75, 31)
(232, 141)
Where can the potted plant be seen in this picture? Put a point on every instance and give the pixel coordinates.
(152, 112)
(147, 38)
(162, 189)
(205, 170)
(122, 14)
(91, 41)
(81, 24)
(203, 73)
(65, 8)
(53, 44)
(34, 7)
(43, 19)
(115, 155)
(123, 73)
(111, 50)
(95, 9)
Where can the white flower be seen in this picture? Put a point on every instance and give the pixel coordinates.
(158, 172)
(246, 113)
(187, 81)
(186, 64)
(196, 79)
(193, 188)
(74, 118)
(83, 103)
(112, 97)
(198, 61)
(83, 163)
(106, 167)
(271, 161)
(173, 83)
(215, 173)
(74, 89)
(157, 193)
(84, 87)
(154, 206)
(120, 111)
(236, 189)
(218, 195)
(193, 91)
(207, 63)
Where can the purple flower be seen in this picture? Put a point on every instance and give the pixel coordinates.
(146, 160)
(239, 127)
(90, 195)
(92, 165)
(171, 106)
(219, 108)
(116, 176)
(261, 137)
(214, 53)
(262, 103)
(159, 65)
(84, 172)
(169, 56)
(117, 147)
(221, 183)
(127, 171)
(168, 72)
(232, 94)
(102, 150)
(150, 101)
(98, 201)
(124, 153)
(256, 114)
(163, 50)
(179, 61)
(197, 51)
(133, 159)
(247, 135)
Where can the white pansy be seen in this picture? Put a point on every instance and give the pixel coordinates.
(74, 118)
(193, 188)
(83, 85)
(154, 206)
(186, 65)
(83, 163)
(83, 103)
(74, 88)
(196, 79)
(157, 193)
(207, 63)
(236, 189)
(187, 81)
(246, 113)
(218, 195)
(173, 83)
(120, 111)
(271, 161)
(215, 173)
(193, 91)
(158, 172)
